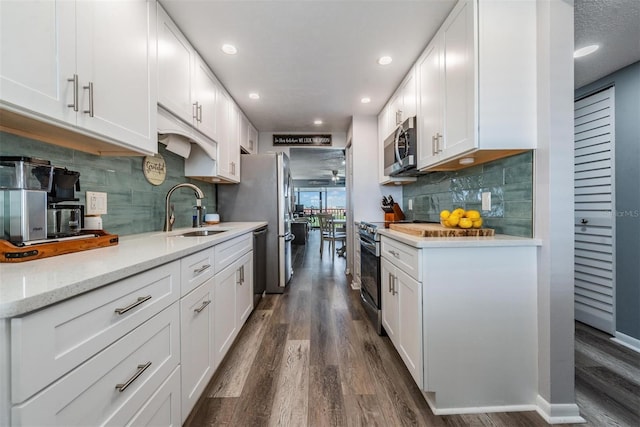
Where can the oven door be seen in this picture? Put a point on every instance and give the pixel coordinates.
(370, 282)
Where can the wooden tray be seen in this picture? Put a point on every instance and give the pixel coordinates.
(437, 230)
(95, 239)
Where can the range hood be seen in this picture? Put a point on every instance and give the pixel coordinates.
(178, 136)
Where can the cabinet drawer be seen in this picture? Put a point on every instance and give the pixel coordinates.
(49, 343)
(402, 256)
(196, 269)
(229, 251)
(115, 383)
(162, 409)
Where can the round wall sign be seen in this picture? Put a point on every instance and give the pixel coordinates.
(154, 169)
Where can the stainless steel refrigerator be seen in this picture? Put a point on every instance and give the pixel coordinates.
(264, 194)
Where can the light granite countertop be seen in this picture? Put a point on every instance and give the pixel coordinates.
(457, 242)
(32, 285)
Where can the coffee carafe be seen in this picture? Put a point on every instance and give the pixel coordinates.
(24, 183)
(64, 218)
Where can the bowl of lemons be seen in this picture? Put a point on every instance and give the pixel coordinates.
(459, 218)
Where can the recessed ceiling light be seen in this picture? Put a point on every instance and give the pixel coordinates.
(254, 95)
(229, 49)
(365, 100)
(584, 51)
(385, 60)
(317, 122)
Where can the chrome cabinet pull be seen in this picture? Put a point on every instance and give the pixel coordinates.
(141, 368)
(133, 305)
(394, 253)
(242, 275)
(74, 79)
(438, 141)
(199, 114)
(434, 149)
(201, 269)
(203, 306)
(390, 281)
(90, 88)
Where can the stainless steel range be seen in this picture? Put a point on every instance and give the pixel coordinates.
(370, 272)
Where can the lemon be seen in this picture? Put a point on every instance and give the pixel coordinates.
(465, 223)
(453, 220)
(459, 212)
(477, 223)
(444, 214)
(472, 214)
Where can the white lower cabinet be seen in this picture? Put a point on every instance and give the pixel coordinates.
(113, 384)
(196, 348)
(140, 351)
(402, 315)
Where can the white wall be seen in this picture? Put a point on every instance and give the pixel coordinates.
(367, 193)
(553, 208)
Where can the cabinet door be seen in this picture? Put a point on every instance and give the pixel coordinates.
(409, 339)
(223, 133)
(163, 408)
(243, 132)
(389, 299)
(459, 82)
(234, 142)
(116, 64)
(244, 289)
(38, 57)
(197, 353)
(204, 99)
(253, 140)
(225, 328)
(175, 60)
(430, 102)
(409, 96)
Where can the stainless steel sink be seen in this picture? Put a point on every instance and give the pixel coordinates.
(199, 233)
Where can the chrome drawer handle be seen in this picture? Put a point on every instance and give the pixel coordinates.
(394, 253)
(90, 110)
(141, 368)
(133, 305)
(201, 269)
(74, 79)
(390, 282)
(202, 307)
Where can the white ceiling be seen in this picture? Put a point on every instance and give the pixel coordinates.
(615, 26)
(309, 59)
(317, 163)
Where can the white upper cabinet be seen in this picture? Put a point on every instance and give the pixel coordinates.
(204, 94)
(248, 136)
(476, 85)
(175, 62)
(252, 143)
(89, 66)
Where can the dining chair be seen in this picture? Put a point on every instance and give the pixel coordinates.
(328, 233)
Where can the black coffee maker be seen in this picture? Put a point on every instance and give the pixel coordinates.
(64, 218)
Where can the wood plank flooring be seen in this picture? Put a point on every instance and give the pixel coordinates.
(309, 357)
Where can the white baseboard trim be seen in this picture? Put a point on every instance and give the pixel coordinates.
(355, 285)
(558, 413)
(474, 409)
(627, 341)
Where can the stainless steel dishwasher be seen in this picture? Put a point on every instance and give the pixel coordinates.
(259, 264)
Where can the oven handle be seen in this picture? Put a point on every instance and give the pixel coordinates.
(369, 247)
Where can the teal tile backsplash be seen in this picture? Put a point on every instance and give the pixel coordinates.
(133, 204)
(510, 181)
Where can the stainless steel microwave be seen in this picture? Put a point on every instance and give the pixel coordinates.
(400, 150)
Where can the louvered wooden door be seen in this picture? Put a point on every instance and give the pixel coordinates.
(595, 211)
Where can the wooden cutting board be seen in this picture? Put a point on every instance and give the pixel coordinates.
(437, 230)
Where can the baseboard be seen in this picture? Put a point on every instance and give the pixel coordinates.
(558, 413)
(355, 285)
(429, 397)
(627, 341)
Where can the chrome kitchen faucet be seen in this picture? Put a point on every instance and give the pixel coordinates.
(169, 218)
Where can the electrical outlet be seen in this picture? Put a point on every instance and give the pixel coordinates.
(96, 203)
(410, 204)
(486, 201)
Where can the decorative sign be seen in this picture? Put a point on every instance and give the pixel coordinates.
(154, 169)
(301, 139)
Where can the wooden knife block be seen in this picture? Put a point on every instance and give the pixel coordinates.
(396, 215)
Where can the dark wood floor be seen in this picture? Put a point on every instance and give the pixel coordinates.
(308, 357)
